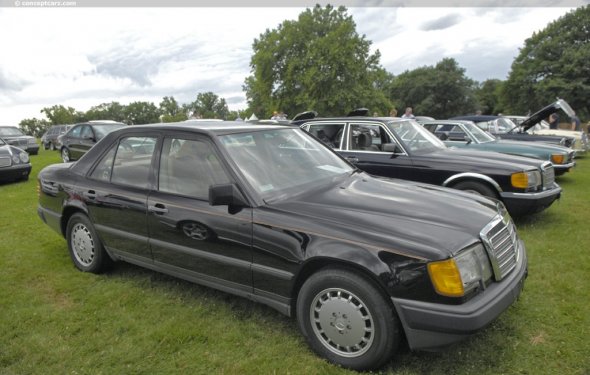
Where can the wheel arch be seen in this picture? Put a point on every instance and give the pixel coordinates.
(68, 212)
(318, 264)
(472, 177)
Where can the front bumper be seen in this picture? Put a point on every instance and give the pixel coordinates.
(429, 326)
(15, 172)
(563, 168)
(519, 204)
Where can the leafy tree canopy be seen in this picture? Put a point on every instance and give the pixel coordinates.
(440, 91)
(553, 63)
(34, 126)
(317, 62)
(488, 95)
(208, 105)
(141, 113)
(60, 115)
(171, 111)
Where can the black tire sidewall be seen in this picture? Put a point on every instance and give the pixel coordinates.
(386, 325)
(479, 187)
(101, 258)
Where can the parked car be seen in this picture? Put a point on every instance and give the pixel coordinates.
(82, 137)
(504, 128)
(271, 214)
(580, 145)
(49, 140)
(14, 163)
(465, 134)
(401, 148)
(15, 137)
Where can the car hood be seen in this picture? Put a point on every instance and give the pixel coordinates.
(419, 220)
(478, 161)
(536, 117)
(536, 147)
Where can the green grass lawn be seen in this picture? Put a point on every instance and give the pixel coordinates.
(57, 320)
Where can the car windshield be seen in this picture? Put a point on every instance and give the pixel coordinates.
(281, 162)
(497, 126)
(10, 132)
(102, 130)
(478, 134)
(414, 137)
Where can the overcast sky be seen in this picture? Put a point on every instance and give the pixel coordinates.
(82, 57)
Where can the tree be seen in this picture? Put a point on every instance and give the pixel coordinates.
(209, 105)
(441, 91)
(141, 113)
(107, 111)
(553, 63)
(317, 62)
(488, 95)
(171, 111)
(34, 126)
(58, 115)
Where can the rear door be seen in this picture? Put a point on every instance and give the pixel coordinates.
(116, 195)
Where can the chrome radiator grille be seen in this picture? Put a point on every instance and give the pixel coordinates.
(548, 176)
(5, 161)
(501, 243)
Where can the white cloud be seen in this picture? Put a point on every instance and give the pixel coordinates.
(86, 56)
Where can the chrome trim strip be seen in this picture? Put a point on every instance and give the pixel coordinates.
(564, 166)
(473, 175)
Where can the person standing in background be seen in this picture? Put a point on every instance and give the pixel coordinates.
(408, 113)
(554, 121)
(575, 122)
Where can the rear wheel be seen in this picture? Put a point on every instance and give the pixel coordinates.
(347, 320)
(476, 188)
(85, 248)
(65, 155)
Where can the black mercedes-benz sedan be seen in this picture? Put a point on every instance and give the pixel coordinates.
(401, 148)
(82, 137)
(14, 163)
(272, 214)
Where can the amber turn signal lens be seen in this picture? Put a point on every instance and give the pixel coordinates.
(557, 158)
(520, 180)
(446, 278)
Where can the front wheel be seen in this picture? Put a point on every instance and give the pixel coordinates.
(65, 155)
(347, 320)
(86, 250)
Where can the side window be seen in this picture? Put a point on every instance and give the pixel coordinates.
(368, 137)
(330, 134)
(188, 167)
(104, 168)
(76, 132)
(86, 132)
(133, 161)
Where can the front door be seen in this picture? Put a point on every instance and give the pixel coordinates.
(188, 236)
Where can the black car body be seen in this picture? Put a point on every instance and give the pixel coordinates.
(14, 163)
(15, 137)
(401, 148)
(50, 140)
(504, 128)
(271, 214)
(82, 137)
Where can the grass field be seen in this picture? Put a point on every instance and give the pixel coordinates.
(56, 320)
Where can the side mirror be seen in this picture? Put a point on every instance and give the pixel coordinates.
(391, 147)
(226, 195)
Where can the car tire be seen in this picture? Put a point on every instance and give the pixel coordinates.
(476, 188)
(86, 249)
(346, 319)
(65, 155)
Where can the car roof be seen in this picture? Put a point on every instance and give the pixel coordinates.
(446, 122)
(476, 118)
(206, 127)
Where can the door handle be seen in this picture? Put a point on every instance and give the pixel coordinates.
(90, 194)
(158, 209)
(352, 159)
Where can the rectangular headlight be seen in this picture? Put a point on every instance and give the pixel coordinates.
(526, 180)
(457, 276)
